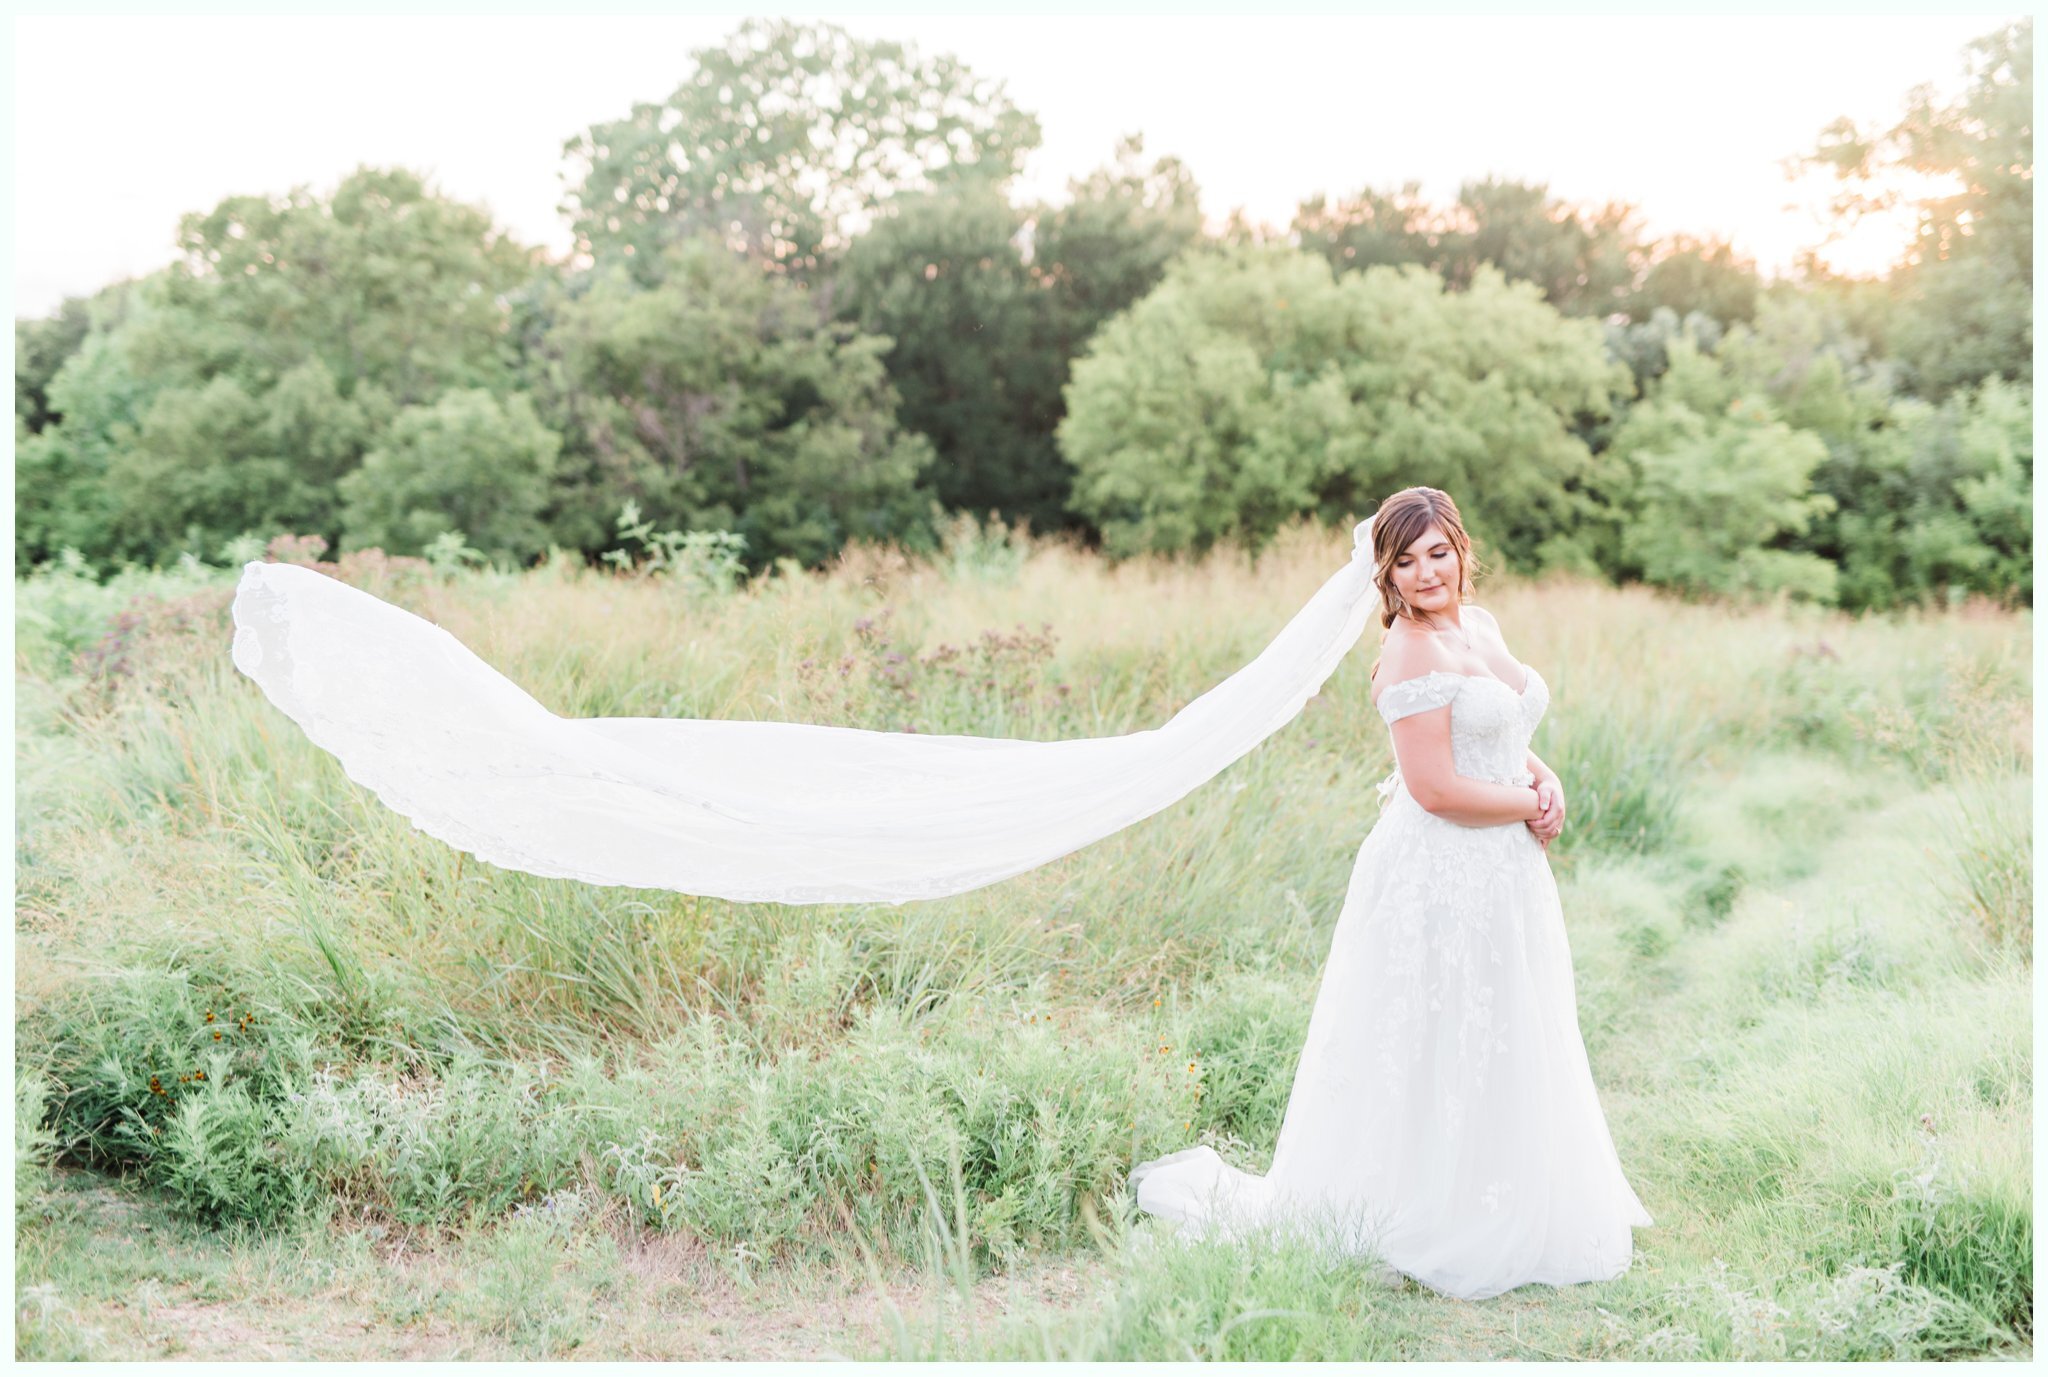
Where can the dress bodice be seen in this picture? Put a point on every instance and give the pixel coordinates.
(1491, 724)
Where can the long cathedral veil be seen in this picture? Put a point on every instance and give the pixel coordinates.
(776, 811)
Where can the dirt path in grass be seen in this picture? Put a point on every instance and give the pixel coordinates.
(110, 1273)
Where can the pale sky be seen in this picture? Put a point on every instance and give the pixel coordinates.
(124, 123)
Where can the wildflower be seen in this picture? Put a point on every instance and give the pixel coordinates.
(216, 1035)
(209, 1015)
(657, 1195)
(1191, 1068)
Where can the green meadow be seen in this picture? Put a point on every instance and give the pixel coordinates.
(296, 1080)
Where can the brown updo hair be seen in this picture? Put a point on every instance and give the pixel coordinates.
(1404, 519)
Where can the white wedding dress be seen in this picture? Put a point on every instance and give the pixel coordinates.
(1442, 1107)
(1443, 1117)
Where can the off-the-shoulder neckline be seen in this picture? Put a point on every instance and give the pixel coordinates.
(1528, 680)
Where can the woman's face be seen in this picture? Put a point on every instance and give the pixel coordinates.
(1426, 573)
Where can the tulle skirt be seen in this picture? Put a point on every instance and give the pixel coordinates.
(1443, 1117)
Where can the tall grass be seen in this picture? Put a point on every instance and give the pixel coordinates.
(1795, 875)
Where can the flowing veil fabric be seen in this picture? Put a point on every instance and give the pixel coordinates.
(757, 811)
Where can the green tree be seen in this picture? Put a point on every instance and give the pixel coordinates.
(1645, 345)
(1585, 260)
(1964, 292)
(1686, 274)
(1371, 229)
(207, 463)
(778, 138)
(943, 277)
(983, 336)
(61, 493)
(1928, 502)
(1721, 483)
(1943, 501)
(719, 400)
(470, 462)
(386, 282)
(1802, 352)
(40, 349)
(1110, 242)
(231, 391)
(1251, 386)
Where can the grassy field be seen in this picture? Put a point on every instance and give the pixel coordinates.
(295, 1080)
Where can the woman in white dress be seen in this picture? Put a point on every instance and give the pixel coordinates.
(1443, 1117)
(1443, 1096)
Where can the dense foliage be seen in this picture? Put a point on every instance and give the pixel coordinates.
(1252, 386)
(806, 309)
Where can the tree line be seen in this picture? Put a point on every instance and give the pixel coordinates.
(802, 308)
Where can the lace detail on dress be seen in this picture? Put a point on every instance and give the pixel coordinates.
(1420, 694)
(1490, 727)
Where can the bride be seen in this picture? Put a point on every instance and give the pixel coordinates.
(1443, 1117)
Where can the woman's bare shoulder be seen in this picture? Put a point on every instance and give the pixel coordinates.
(1407, 654)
